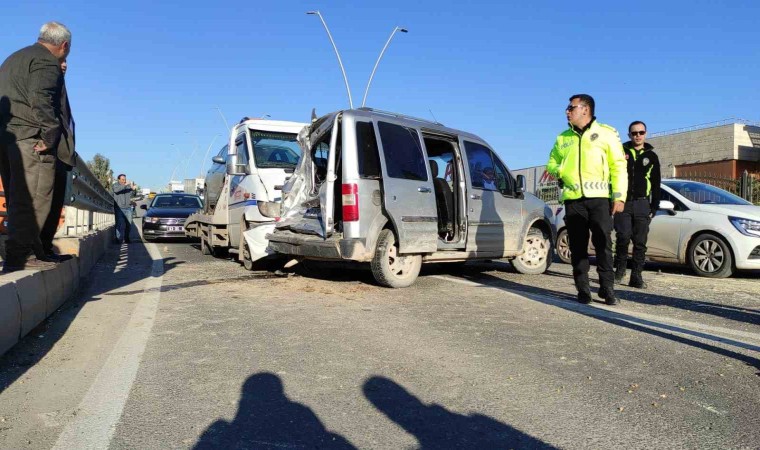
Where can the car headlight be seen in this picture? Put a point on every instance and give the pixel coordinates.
(746, 227)
(152, 219)
(270, 209)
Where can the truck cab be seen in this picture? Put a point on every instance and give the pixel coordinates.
(260, 156)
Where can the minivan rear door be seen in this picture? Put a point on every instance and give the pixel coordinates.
(327, 189)
(408, 192)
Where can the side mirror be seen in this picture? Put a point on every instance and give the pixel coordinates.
(667, 205)
(521, 183)
(234, 168)
(218, 160)
(143, 206)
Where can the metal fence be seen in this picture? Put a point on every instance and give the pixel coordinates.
(747, 186)
(88, 206)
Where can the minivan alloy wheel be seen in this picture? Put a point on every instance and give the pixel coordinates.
(537, 256)
(391, 269)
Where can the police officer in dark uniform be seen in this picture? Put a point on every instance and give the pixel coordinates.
(643, 201)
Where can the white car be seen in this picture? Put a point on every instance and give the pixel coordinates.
(707, 228)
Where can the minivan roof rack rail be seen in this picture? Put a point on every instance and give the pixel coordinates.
(401, 116)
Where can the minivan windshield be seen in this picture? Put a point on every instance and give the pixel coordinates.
(275, 150)
(704, 194)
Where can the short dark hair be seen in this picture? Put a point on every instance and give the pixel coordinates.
(586, 100)
(121, 175)
(636, 122)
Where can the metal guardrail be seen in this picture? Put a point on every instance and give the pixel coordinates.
(88, 205)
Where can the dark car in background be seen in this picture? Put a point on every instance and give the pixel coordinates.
(165, 217)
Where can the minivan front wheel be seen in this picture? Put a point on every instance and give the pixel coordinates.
(537, 255)
(391, 269)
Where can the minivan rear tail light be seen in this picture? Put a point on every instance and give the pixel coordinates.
(350, 202)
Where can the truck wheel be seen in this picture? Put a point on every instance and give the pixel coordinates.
(245, 256)
(391, 269)
(537, 256)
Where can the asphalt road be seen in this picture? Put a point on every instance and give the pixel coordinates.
(166, 348)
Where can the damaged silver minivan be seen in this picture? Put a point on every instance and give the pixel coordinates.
(396, 191)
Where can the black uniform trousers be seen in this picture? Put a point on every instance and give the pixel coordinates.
(581, 217)
(632, 223)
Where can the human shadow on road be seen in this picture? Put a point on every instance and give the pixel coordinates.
(736, 313)
(435, 427)
(267, 419)
(660, 329)
(118, 267)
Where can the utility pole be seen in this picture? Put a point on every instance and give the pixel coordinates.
(403, 30)
(345, 78)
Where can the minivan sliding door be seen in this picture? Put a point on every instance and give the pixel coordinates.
(408, 192)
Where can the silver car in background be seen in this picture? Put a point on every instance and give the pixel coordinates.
(711, 230)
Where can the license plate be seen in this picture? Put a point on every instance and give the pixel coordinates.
(180, 228)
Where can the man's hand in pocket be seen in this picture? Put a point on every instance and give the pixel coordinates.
(40, 147)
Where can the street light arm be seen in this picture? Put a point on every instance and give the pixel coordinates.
(345, 78)
(366, 91)
(203, 162)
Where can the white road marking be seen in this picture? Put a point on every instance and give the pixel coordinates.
(102, 406)
(737, 338)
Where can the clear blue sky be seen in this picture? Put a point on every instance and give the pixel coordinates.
(144, 77)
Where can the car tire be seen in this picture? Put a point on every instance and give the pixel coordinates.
(391, 269)
(709, 256)
(563, 247)
(536, 258)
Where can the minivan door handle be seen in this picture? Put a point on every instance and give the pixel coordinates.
(475, 196)
(423, 189)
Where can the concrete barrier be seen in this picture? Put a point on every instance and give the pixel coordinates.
(32, 296)
(10, 317)
(55, 292)
(28, 297)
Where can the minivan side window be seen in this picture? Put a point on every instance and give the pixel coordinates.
(366, 149)
(482, 172)
(241, 148)
(403, 152)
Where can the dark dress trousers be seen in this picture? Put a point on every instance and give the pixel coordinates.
(66, 161)
(30, 111)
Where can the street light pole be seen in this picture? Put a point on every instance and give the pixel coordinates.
(403, 30)
(206, 156)
(345, 78)
(227, 126)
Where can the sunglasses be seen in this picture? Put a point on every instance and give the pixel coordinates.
(572, 107)
(637, 133)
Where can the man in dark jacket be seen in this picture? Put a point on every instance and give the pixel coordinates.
(122, 208)
(30, 133)
(643, 202)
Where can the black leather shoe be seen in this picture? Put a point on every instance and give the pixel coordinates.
(29, 264)
(584, 297)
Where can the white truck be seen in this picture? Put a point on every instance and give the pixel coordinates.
(260, 156)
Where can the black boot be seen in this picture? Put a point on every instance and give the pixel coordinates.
(608, 294)
(619, 272)
(636, 280)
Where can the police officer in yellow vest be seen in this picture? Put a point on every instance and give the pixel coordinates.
(589, 162)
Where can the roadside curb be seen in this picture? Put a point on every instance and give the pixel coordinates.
(28, 297)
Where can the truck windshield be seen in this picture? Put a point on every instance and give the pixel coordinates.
(279, 150)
